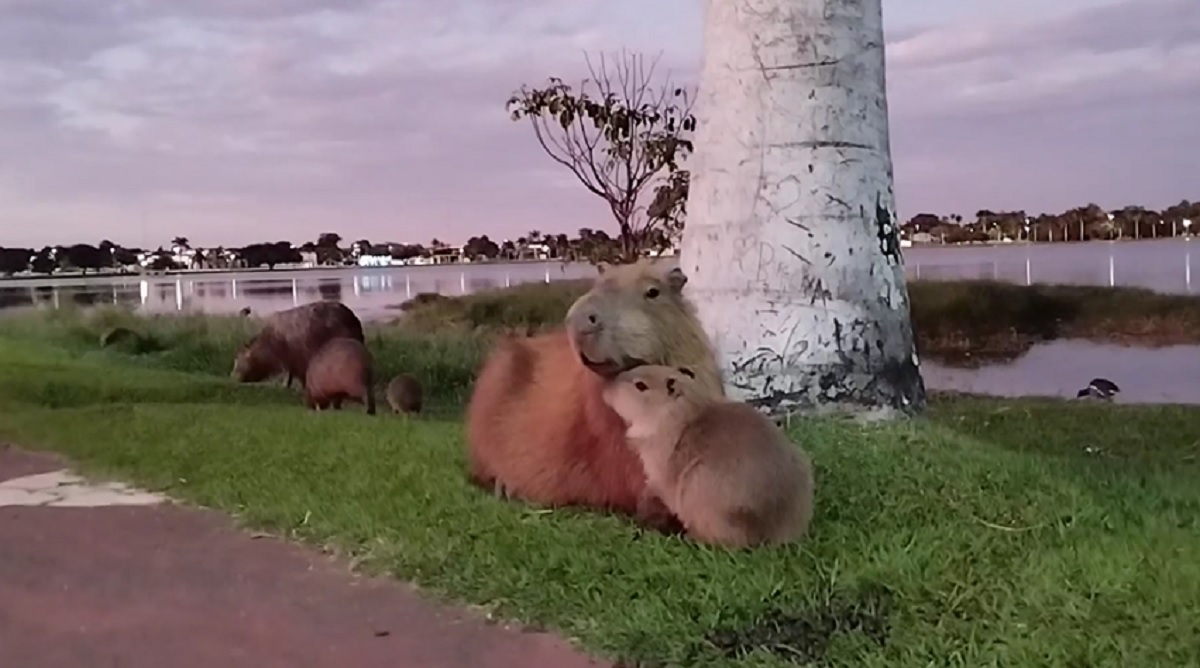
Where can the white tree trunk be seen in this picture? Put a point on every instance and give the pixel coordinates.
(791, 243)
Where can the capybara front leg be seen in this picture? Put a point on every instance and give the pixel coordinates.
(653, 514)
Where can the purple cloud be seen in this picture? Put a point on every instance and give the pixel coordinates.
(230, 121)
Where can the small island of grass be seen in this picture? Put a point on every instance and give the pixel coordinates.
(960, 323)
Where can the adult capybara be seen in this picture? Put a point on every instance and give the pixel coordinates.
(405, 395)
(289, 339)
(340, 370)
(724, 469)
(537, 426)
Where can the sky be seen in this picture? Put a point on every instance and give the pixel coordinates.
(235, 121)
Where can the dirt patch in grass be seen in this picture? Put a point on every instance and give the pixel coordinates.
(804, 636)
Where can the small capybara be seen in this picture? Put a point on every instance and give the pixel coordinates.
(289, 339)
(537, 427)
(724, 469)
(340, 370)
(405, 395)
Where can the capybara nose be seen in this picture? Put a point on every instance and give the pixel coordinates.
(585, 322)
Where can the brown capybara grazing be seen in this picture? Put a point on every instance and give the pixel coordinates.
(289, 339)
(724, 469)
(537, 427)
(405, 395)
(340, 370)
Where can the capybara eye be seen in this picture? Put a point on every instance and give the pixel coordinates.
(687, 372)
(651, 293)
(641, 387)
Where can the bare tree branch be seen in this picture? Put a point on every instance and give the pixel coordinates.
(621, 132)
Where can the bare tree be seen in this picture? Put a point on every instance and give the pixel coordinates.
(622, 135)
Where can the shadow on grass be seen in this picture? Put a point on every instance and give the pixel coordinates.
(804, 636)
(1148, 437)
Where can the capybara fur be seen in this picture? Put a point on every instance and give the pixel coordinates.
(729, 475)
(405, 395)
(289, 339)
(537, 427)
(341, 370)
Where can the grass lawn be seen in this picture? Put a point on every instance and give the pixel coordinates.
(987, 533)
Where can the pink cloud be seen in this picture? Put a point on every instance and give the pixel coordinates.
(230, 121)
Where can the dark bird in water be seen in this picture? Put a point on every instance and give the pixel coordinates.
(1099, 388)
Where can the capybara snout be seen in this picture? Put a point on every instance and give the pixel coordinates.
(628, 319)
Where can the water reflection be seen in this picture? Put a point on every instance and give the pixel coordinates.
(1062, 368)
(1165, 266)
(368, 291)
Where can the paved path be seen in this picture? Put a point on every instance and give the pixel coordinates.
(155, 584)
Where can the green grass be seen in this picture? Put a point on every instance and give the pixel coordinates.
(960, 323)
(987, 533)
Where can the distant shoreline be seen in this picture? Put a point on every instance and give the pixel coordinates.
(260, 270)
(144, 275)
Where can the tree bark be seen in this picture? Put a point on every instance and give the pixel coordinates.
(791, 243)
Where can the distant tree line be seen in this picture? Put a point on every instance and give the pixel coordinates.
(589, 246)
(1087, 223)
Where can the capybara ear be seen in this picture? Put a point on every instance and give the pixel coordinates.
(602, 267)
(676, 279)
(687, 372)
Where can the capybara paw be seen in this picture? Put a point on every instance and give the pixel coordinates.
(653, 514)
(664, 523)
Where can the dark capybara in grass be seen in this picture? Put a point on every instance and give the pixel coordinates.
(117, 335)
(405, 395)
(245, 312)
(340, 370)
(538, 428)
(289, 339)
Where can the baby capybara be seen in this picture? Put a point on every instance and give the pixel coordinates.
(340, 370)
(724, 469)
(405, 395)
(289, 339)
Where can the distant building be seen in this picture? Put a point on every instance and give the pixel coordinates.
(368, 260)
(446, 256)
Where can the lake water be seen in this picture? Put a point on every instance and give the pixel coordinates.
(1164, 266)
(1054, 369)
(1062, 368)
